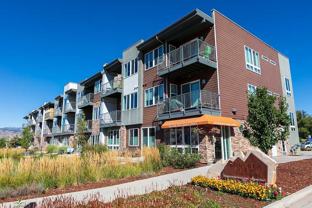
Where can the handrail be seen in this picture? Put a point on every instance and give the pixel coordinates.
(111, 117)
(85, 99)
(112, 85)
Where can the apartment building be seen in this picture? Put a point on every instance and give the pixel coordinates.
(185, 86)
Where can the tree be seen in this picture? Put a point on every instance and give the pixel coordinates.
(82, 138)
(267, 122)
(14, 142)
(3, 142)
(26, 138)
(304, 122)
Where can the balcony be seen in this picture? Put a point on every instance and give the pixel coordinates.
(111, 119)
(86, 100)
(38, 132)
(58, 112)
(194, 55)
(112, 87)
(70, 107)
(189, 104)
(49, 115)
(47, 132)
(39, 118)
(89, 126)
(56, 130)
(68, 128)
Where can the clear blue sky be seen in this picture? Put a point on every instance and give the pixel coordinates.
(45, 44)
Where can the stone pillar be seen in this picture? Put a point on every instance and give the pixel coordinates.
(123, 138)
(207, 150)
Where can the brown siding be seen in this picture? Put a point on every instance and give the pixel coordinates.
(233, 75)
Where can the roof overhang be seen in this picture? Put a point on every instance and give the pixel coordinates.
(91, 79)
(48, 105)
(114, 66)
(202, 120)
(189, 24)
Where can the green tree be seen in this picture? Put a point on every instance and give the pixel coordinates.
(14, 142)
(267, 122)
(26, 138)
(3, 142)
(304, 122)
(82, 138)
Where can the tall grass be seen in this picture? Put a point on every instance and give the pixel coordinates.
(61, 171)
(15, 153)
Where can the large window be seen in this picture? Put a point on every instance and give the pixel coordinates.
(133, 137)
(154, 57)
(113, 140)
(131, 68)
(251, 88)
(130, 101)
(184, 138)
(96, 113)
(292, 119)
(154, 95)
(97, 86)
(149, 136)
(287, 86)
(252, 60)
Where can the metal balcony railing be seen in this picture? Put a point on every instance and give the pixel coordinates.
(85, 100)
(109, 118)
(39, 118)
(70, 107)
(187, 51)
(49, 115)
(56, 130)
(202, 99)
(68, 128)
(112, 86)
(58, 111)
(47, 131)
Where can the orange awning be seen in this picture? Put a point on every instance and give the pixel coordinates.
(202, 120)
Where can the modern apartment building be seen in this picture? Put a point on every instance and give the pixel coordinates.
(185, 86)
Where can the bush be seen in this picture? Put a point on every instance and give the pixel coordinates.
(172, 157)
(62, 150)
(2, 142)
(245, 189)
(51, 149)
(97, 148)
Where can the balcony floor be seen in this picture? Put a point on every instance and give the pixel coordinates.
(189, 113)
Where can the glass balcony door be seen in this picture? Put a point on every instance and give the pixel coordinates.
(191, 92)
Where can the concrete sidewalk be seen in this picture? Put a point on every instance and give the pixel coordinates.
(285, 159)
(300, 199)
(139, 187)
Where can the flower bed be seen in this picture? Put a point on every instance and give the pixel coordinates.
(245, 189)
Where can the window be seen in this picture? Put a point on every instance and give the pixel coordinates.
(173, 90)
(133, 137)
(94, 139)
(265, 58)
(130, 101)
(292, 119)
(113, 140)
(252, 60)
(154, 95)
(97, 87)
(287, 86)
(96, 113)
(154, 57)
(184, 138)
(251, 89)
(131, 68)
(149, 136)
(272, 62)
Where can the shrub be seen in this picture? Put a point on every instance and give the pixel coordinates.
(62, 149)
(51, 149)
(172, 157)
(97, 148)
(2, 142)
(245, 189)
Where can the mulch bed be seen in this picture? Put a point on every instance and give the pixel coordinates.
(94, 185)
(294, 176)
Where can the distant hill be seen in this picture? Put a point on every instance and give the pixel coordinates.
(9, 132)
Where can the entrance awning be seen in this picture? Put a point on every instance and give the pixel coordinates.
(202, 120)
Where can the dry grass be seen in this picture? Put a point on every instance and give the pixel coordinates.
(14, 153)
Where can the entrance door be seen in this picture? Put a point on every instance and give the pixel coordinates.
(191, 94)
(226, 142)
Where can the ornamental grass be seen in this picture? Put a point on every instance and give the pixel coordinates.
(66, 170)
(245, 189)
(15, 153)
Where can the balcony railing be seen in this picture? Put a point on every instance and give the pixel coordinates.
(49, 115)
(193, 49)
(47, 131)
(70, 107)
(58, 111)
(111, 118)
(39, 118)
(197, 100)
(85, 100)
(112, 86)
(56, 130)
(68, 128)
(38, 131)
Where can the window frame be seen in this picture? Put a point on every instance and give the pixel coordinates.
(129, 140)
(251, 85)
(97, 86)
(152, 90)
(287, 81)
(114, 145)
(130, 68)
(252, 66)
(148, 135)
(151, 54)
(127, 100)
(292, 120)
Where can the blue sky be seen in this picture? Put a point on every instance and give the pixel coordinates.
(45, 44)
